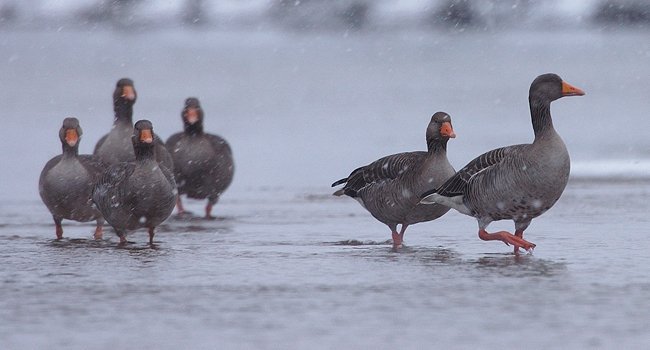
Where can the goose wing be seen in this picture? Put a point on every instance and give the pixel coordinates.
(99, 143)
(457, 184)
(386, 168)
(172, 141)
(219, 144)
(93, 164)
(109, 190)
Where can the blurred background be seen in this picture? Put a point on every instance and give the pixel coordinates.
(307, 90)
(304, 15)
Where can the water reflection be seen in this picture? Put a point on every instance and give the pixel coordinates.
(84, 243)
(194, 224)
(412, 255)
(105, 244)
(191, 217)
(441, 256)
(133, 248)
(355, 242)
(503, 265)
(510, 265)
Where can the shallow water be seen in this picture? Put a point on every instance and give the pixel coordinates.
(289, 266)
(283, 269)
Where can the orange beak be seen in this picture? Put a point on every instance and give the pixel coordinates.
(570, 90)
(446, 130)
(192, 115)
(146, 136)
(128, 92)
(71, 137)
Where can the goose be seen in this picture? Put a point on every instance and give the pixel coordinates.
(142, 193)
(389, 187)
(203, 162)
(518, 182)
(67, 180)
(115, 147)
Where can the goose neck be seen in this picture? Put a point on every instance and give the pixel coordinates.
(123, 113)
(437, 146)
(540, 113)
(144, 152)
(194, 129)
(70, 151)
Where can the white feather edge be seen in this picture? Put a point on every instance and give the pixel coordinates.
(452, 202)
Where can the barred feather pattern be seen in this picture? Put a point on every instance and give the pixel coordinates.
(389, 167)
(66, 184)
(524, 185)
(457, 184)
(133, 195)
(203, 164)
(518, 182)
(136, 194)
(388, 187)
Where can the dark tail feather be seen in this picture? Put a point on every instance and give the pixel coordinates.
(342, 181)
(428, 193)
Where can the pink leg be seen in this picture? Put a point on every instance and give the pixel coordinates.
(59, 228)
(179, 205)
(398, 238)
(99, 231)
(520, 234)
(208, 211)
(151, 233)
(507, 238)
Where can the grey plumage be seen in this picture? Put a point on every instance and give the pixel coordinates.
(67, 180)
(518, 182)
(389, 188)
(116, 147)
(136, 194)
(203, 162)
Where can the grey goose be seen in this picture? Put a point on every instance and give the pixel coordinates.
(67, 180)
(116, 147)
(389, 187)
(203, 162)
(518, 182)
(137, 194)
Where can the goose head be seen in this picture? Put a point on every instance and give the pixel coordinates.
(550, 87)
(440, 129)
(124, 92)
(70, 133)
(143, 139)
(192, 115)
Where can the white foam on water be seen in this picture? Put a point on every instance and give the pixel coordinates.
(618, 168)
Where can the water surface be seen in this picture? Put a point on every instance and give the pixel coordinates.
(298, 270)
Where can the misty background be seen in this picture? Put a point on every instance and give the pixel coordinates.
(303, 15)
(306, 91)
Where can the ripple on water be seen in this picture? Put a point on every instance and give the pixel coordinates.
(526, 265)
